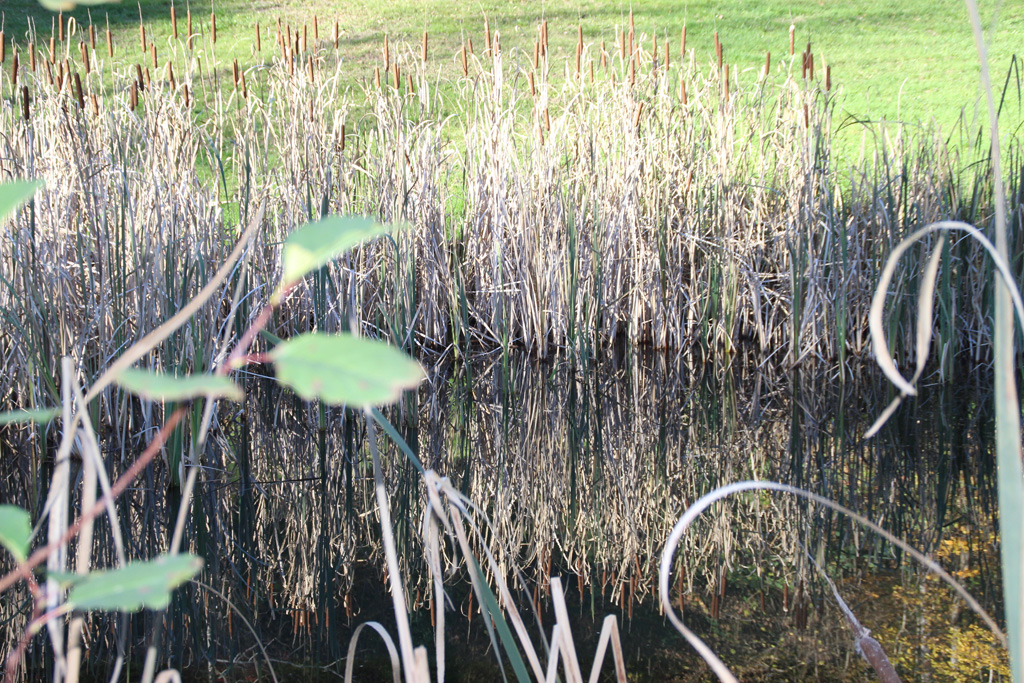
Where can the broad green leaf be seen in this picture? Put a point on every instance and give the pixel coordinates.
(270, 337)
(172, 388)
(15, 531)
(40, 415)
(16, 193)
(342, 369)
(315, 244)
(135, 586)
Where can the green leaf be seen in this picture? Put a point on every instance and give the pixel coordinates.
(173, 388)
(40, 415)
(15, 531)
(315, 244)
(16, 193)
(135, 586)
(342, 369)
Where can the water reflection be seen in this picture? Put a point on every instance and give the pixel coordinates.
(582, 470)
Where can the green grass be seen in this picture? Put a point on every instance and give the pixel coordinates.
(910, 60)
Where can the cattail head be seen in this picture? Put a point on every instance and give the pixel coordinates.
(682, 43)
(316, 30)
(309, 68)
(24, 102)
(133, 96)
(188, 27)
(487, 36)
(110, 44)
(92, 37)
(767, 62)
(234, 74)
(32, 56)
(343, 137)
(95, 104)
(60, 27)
(138, 76)
(792, 40)
(533, 87)
(258, 46)
(465, 65)
(3, 47)
(397, 75)
(245, 88)
(336, 34)
(78, 92)
(14, 70)
(213, 27)
(84, 51)
(424, 55)
(142, 38)
(828, 77)
(152, 50)
(170, 76)
(174, 22)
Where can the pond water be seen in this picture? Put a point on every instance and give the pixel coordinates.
(580, 470)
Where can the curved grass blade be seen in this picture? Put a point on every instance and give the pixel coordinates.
(16, 193)
(136, 586)
(38, 416)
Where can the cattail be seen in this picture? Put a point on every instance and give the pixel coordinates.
(245, 88)
(544, 39)
(636, 117)
(336, 32)
(424, 47)
(3, 47)
(807, 116)
(469, 43)
(234, 74)
(579, 45)
(547, 120)
(110, 44)
(49, 72)
(343, 137)
(305, 39)
(536, 54)
(726, 84)
(316, 30)
(682, 43)
(666, 55)
(632, 30)
(174, 22)
(60, 27)
(579, 55)
(398, 76)
(138, 76)
(24, 101)
(185, 92)
(411, 86)
(718, 51)
(387, 54)
(78, 91)
(170, 76)
(85, 54)
(803, 67)
(258, 46)
(14, 70)
(810, 65)
(682, 90)
(95, 104)
(133, 98)
(148, 82)
(32, 56)
(487, 37)
(828, 77)
(792, 40)
(142, 38)
(280, 34)
(152, 49)
(92, 37)
(533, 87)
(188, 27)
(604, 56)
(591, 70)
(312, 75)
(53, 51)
(376, 76)
(767, 62)
(465, 65)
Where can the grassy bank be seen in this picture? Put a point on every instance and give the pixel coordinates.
(910, 62)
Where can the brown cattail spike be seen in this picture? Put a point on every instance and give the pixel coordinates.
(465, 65)
(792, 40)
(95, 104)
(343, 137)
(138, 76)
(376, 76)
(258, 46)
(424, 55)
(3, 47)
(316, 30)
(188, 27)
(152, 50)
(828, 77)
(767, 63)
(60, 27)
(174, 23)
(24, 101)
(336, 32)
(92, 37)
(85, 54)
(305, 38)
(78, 92)
(397, 75)
(134, 95)
(142, 38)
(14, 70)
(53, 51)
(170, 76)
(110, 45)
(487, 37)
(682, 43)
(245, 88)
(234, 74)
(213, 27)
(312, 75)
(32, 56)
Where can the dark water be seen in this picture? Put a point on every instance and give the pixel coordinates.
(582, 470)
